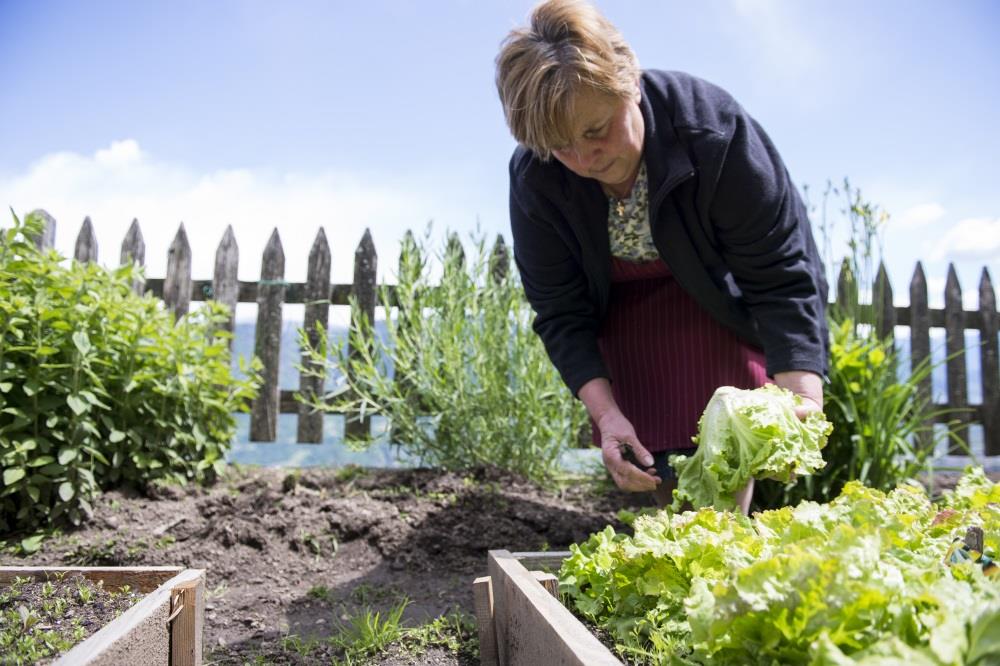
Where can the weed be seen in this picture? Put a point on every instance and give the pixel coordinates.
(454, 631)
(321, 593)
(369, 632)
(298, 645)
(349, 473)
(165, 541)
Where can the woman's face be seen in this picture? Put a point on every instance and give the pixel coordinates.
(608, 135)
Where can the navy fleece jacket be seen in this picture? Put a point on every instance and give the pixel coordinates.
(725, 217)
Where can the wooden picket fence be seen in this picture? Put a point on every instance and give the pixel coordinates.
(317, 293)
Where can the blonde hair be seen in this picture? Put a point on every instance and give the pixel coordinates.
(568, 46)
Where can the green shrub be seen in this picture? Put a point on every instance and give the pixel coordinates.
(99, 387)
(879, 418)
(459, 373)
(878, 422)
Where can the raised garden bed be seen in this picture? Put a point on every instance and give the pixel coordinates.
(521, 621)
(163, 627)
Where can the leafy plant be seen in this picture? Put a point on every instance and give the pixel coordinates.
(746, 434)
(101, 387)
(882, 432)
(369, 632)
(864, 576)
(459, 373)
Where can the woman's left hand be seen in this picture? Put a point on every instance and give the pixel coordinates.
(806, 384)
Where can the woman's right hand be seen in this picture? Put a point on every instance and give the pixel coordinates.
(618, 435)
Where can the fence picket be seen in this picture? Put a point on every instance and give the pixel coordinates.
(920, 341)
(954, 329)
(225, 281)
(134, 251)
(317, 311)
(885, 312)
(989, 365)
(847, 292)
(86, 243)
(267, 340)
(177, 284)
(47, 239)
(177, 291)
(363, 290)
(499, 260)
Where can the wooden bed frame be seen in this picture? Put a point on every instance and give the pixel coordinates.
(164, 627)
(521, 620)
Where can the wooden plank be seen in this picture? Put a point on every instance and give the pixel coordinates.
(140, 635)
(548, 560)
(990, 365)
(317, 312)
(187, 610)
(177, 285)
(453, 248)
(920, 343)
(225, 284)
(267, 342)
(86, 243)
(482, 591)
(47, 239)
(847, 293)
(885, 321)
(134, 251)
(549, 581)
(365, 267)
(144, 579)
(532, 627)
(499, 260)
(955, 363)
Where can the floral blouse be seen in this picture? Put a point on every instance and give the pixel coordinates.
(628, 223)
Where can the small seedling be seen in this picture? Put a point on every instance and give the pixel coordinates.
(320, 592)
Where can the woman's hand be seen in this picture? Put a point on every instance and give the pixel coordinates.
(806, 384)
(618, 436)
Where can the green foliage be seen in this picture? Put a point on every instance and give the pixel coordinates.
(882, 432)
(99, 387)
(879, 422)
(40, 620)
(863, 579)
(369, 632)
(460, 374)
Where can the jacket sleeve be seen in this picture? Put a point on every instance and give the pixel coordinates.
(767, 243)
(566, 319)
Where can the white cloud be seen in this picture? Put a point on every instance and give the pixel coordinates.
(121, 182)
(971, 239)
(918, 216)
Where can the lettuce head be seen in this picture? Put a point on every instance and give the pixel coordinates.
(746, 434)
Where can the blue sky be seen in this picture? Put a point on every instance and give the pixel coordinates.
(384, 115)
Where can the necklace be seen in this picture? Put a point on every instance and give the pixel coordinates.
(619, 206)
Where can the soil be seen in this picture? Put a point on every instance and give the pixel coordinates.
(292, 557)
(63, 610)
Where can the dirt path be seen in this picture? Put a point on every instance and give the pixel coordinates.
(292, 556)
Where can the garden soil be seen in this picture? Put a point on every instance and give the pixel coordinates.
(292, 557)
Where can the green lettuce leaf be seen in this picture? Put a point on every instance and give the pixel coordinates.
(746, 434)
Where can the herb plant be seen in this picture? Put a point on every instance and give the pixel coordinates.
(101, 387)
(459, 373)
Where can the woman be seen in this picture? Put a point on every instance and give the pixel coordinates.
(659, 239)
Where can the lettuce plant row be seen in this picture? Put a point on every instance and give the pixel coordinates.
(860, 580)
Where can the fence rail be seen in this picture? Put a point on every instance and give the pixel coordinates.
(317, 293)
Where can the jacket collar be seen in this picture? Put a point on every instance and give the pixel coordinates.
(666, 160)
